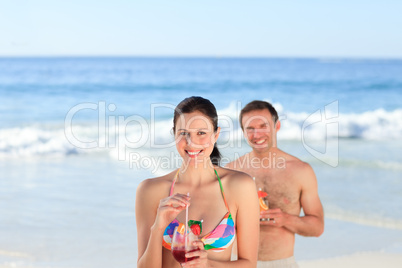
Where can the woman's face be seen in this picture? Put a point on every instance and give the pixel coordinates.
(195, 137)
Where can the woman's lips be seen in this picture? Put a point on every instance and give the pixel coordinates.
(193, 154)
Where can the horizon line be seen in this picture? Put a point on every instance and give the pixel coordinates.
(211, 57)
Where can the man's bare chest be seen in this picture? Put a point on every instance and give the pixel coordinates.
(283, 190)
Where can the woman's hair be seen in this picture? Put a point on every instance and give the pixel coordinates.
(194, 104)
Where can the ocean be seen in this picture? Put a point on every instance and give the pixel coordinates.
(77, 136)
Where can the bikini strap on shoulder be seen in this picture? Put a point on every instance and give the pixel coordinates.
(223, 194)
(173, 182)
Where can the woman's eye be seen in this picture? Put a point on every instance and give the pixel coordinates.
(201, 133)
(183, 133)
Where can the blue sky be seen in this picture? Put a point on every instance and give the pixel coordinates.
(216, 28)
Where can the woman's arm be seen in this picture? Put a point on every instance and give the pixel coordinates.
(248, 222)
(149, 237)
(153, 215)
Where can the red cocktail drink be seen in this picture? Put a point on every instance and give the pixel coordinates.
(180, 254)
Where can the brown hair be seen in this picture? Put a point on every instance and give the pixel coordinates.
(193, 104)
(258, 105)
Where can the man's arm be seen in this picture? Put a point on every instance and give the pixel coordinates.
(312, 224)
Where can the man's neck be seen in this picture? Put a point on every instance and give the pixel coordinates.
(271, 152)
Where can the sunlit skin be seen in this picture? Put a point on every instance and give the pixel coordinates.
(290, 183)
(195, 137)
(260, 130)
(155, 208)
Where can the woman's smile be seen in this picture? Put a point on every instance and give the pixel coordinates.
(193, 154)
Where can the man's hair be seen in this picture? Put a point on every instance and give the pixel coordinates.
(258, 105)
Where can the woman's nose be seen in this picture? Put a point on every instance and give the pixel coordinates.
(188, 139)
(193, 141)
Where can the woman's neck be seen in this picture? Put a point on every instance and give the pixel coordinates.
(195, 175)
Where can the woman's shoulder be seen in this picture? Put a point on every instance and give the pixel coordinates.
(155, 185)
(234, 178)
(233, 174)
(238, 185)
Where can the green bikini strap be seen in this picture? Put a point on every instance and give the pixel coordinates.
(220, 184)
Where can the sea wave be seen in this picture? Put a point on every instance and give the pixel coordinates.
(390, 165)
(364, 220)
(14, 254)
(328, 123)
(372, 125)
(136, 132)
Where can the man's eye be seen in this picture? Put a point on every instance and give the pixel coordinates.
(183, 133)
(201, 133)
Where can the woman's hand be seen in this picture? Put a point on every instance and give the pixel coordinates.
(169, 208)
(201, 253)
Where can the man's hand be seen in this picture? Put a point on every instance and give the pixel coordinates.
(276, 217)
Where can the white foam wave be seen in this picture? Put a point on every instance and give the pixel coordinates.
(33, 140)
(41, 139)
(364, 220)
(14, 254)
(373, 125)
(327, 124)
(44, 140)
(390, 165)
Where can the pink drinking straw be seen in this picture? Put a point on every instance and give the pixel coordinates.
(186, 228)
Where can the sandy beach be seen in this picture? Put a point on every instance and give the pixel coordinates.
(363, 259)
(348, 244)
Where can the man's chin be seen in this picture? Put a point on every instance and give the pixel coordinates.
(260, 148)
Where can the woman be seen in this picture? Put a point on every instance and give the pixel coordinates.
(213, 192)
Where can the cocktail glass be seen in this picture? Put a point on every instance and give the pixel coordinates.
(263, 199)
(182, 243)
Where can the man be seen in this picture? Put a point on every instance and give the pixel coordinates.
(290, 183)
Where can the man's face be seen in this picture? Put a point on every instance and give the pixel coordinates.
(260, 130)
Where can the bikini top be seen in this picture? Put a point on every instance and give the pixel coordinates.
(219, 239)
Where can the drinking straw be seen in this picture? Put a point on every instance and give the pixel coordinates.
(186, 226)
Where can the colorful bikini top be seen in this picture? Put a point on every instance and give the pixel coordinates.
(219, 239)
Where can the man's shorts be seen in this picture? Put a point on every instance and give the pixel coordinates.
(282, 263)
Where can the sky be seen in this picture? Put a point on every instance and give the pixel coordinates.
(218, 28)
